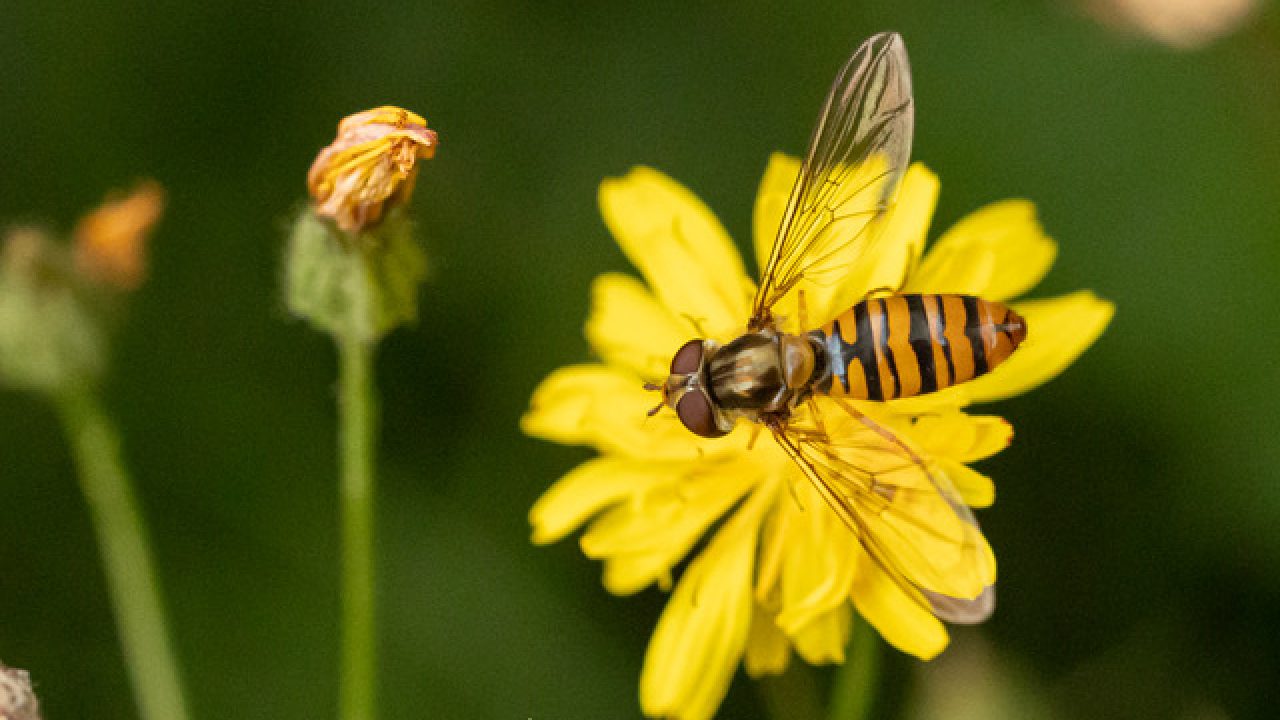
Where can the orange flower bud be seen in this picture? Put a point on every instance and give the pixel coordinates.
(110, 242)
(371, 164)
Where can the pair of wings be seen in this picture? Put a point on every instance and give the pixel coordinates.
(906, 515)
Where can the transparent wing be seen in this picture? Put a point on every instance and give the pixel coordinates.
(909, 518)
(848, 182)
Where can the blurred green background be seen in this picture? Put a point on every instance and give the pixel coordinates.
(1137, 512)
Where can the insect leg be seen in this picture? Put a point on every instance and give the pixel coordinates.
(884, 433)
(777, 426)
(882, 291)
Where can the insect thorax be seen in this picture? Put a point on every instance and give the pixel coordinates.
(765, 371)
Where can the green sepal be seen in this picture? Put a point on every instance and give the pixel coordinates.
(365, 285)
(53, 335)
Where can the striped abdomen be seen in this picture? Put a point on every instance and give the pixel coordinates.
(905, 345)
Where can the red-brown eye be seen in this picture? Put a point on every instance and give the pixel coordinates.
(694, 410)
(688, 359)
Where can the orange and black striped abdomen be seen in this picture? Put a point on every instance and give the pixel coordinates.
(906, 345)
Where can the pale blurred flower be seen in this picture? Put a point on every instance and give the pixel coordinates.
(371, 165)
(17, 699)
(1182, 24)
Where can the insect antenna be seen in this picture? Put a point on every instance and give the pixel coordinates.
(653, 387)
(696, 322)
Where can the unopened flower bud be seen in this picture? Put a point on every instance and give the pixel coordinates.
(52, 331)
(370, 166)
(110, 242)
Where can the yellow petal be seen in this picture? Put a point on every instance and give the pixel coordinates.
(608, 408)
(901, 621)
(768, 650)
(908, 225)
(975, 489)
(679, 247)
(628, 327)
(823, 639)
(702, 633)
(642, 538)
(587, 489)
(961, 437)
(997, 252)
(819, 557)
(771, 201)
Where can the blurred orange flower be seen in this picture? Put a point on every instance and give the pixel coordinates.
(110, 242)
(371, 164)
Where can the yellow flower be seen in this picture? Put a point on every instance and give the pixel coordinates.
(371, 164)
(779, 570)
(110, 242)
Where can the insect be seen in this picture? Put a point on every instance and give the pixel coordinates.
(906, 514)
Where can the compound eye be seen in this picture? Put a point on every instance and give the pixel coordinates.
(694, 410)
(688, 359)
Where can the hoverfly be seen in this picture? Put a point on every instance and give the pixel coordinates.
(906, 514)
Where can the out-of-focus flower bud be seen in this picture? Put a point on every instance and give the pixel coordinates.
(17, 699)
(110, 242)
(52, 329)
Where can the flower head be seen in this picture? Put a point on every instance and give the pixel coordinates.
(370, 165)
(110, 242)
(775, 570)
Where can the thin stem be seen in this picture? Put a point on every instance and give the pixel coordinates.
(854, 692)
(356, 398)
(793, 695)
(126, 557)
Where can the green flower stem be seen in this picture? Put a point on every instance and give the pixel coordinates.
(356, 289)
(854, 691)
(357, 448)
(126, 557)
(793, 695)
